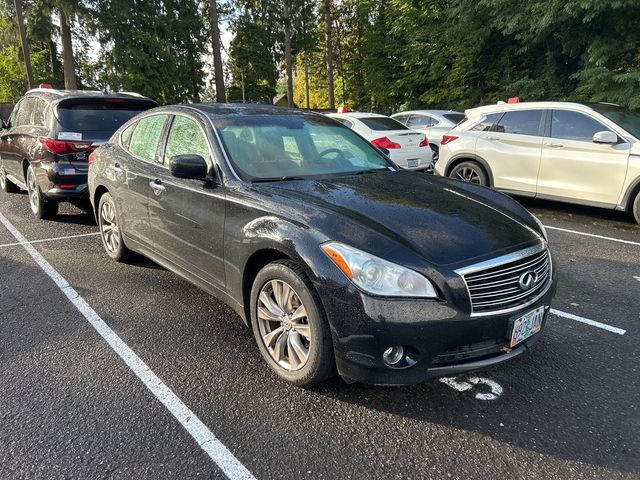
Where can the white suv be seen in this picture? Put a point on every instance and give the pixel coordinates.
(577, 153)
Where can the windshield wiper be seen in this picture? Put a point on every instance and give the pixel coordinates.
(277, 179)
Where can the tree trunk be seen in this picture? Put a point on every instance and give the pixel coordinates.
(218, 74)
(329, 52)
(287, 52)
(306, 56)
(25, 43)
(68, 64)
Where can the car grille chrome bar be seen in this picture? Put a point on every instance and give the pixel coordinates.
(498, 286)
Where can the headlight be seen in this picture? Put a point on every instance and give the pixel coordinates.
(377, 276)
(542, 229)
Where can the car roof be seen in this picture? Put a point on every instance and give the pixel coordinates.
(232, 109)
(55, 94)
(428, 112)
(357, 115)
(503, 107)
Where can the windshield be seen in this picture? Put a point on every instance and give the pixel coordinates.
(270, 147)
(627, 119)
(382, 123)
(454, 118)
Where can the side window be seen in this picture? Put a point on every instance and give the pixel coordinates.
(487, 122)
(13, 118)
(186, 138)
(402, 118)
(25, 112)
(574, 126)
(522, 122)
(146, 136)
(125, 136)
(345, 122)
(39, 110)
(419, 121)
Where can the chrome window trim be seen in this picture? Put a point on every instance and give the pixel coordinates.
(504, 259)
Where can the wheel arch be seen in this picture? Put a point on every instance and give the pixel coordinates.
(470, 157)
(630, 195)
(100, 190)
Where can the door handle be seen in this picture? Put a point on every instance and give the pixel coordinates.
(491, 137)
(157, 187)
(116, 168)
(554, 145)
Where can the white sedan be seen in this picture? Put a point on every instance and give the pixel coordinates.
(408, 148)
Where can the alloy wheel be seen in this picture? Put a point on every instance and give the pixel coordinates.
(284, 325)
(33, 191)
(468, 174)
(109, 227)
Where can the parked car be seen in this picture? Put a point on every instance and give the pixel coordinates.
(330, 253)
(45, 143)
(433, 123)
(578, 153)
(405, 147)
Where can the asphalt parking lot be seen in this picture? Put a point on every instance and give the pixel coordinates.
(71, 407)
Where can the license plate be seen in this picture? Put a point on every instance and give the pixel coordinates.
(527, 325)
(412, 163)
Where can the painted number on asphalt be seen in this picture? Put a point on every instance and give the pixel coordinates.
(471, 382)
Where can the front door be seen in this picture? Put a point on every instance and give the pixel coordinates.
(187, 216)
(575, 167)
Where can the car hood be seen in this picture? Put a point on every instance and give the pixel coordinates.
(444, 221)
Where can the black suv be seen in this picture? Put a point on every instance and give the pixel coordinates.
(45, 144)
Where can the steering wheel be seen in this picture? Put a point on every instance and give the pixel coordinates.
(332, 150)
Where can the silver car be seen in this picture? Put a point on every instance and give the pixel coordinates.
(433, 123)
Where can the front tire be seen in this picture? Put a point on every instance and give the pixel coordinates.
(636, 207)
(5, 184)
(110, 229)
(42, 208)
(289, 325)
(471, 172)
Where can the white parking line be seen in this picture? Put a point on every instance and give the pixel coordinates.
(222, 457)
(593, 323)
(601, 237)
(49, 239)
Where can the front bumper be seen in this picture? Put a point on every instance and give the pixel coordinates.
(441, 340)
(63, 180)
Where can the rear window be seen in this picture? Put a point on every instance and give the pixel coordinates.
(382, 123)
(454, 118)
(102, 114)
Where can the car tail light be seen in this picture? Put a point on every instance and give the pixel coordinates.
(384, 142)
(91, 157)
(62, 147)
(114, 100)
(448, 139)
(425, 142)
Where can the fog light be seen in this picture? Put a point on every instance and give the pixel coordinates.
(393, 355)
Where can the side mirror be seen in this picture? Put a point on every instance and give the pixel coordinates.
(605, 136)
(188, 166)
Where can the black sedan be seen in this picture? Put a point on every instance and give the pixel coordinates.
(336, 259)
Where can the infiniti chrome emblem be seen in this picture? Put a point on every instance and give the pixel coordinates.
(527, 280)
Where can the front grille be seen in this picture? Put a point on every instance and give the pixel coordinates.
(470, 352)
(498, 288)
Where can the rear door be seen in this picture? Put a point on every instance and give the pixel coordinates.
(187, 216)
(512, 147)
(575, 167)
(133, 173)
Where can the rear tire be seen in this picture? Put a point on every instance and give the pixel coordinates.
(110, 229)
(636, 207)
(42, 207)
(298, 348)
(471, 172)
(5, 184)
